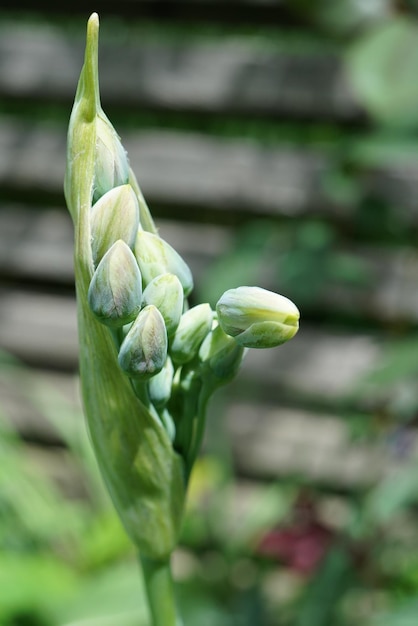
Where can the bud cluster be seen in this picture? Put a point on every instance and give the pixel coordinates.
(139, 288)
(174, 355)
(146, 404)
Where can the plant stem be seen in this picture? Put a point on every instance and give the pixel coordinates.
(160, 592)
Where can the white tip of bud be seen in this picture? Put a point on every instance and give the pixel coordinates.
(143, 352)
(115, 216)
(115, 291)
(112, 166)
(257, 318)
(159, 387)
(166, 293)
(155, 256)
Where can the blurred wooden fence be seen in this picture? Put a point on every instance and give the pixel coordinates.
(205, 115)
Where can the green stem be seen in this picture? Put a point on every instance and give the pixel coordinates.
(199, 422)
(160, 592)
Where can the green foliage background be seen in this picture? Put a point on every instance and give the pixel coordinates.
(65, 561)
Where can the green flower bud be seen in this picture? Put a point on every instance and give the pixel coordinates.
(159, 387)
(115, 291)
(111, 165)
(257, 318)
(168, 424)
(145, 217)
(155, 256)
(166, 293)
(193, 327)
(143, 352)
(115, 216)
(221, 354)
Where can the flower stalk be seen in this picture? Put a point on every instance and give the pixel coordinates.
(160, 592)
(148, 363)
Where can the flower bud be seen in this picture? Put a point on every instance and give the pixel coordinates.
(257, 318)
(159, 387)
(221, 354)
(115, 291)
(166, 293)
(111, 165)
(193, 327)
(168, 424)
(115, 216)
(155, 256)
(143, 352)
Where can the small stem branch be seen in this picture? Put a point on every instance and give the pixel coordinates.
(199, 424)
(160, 592)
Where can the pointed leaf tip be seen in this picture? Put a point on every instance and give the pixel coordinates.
(93, 21)
(91, 63)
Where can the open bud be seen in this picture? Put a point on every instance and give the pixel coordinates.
(257, 318)
(221, 354)
(159, 387)
(155, 256)
(166, 293)
(193, 327)
(115, 216)
(115, 291)
(111, 165)
(143, 352)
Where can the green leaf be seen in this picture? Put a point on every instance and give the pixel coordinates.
(33, 584)
(112, 596)
(392, 495)
(406, 615)
(319, 605)
(383, 69)
(398, 362)
(342, 17)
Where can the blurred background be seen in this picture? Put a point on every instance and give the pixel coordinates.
(277, 144)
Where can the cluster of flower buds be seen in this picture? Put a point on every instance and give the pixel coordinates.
(139, 289)
(149, 362)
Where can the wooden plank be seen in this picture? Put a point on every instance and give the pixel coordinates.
(229, 75)
(395, 185)
(272, 441)
(28, 396)
(39, 328)
(318, 364)
(37, 247)
(229, 175)
(177, 170)
(199, 177)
